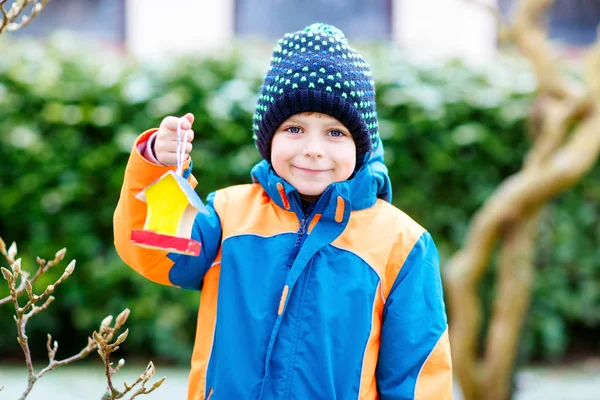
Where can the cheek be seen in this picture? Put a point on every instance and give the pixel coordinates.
(346, 162)
(279, 154)
(347, 171)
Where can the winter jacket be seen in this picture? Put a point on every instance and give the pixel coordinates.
(344, 303)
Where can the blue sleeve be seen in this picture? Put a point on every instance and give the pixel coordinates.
(188, 272)
(414, 356)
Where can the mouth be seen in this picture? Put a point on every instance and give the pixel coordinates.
(310, 171)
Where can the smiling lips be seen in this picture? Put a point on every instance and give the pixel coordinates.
(311, 171)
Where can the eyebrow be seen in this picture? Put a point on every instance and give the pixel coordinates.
(332, 123)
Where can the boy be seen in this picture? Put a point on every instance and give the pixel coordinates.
(313, 285)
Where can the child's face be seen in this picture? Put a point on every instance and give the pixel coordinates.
(311, 151)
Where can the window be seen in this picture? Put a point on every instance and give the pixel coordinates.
(572, 22)
(95, 19)
(358, 19)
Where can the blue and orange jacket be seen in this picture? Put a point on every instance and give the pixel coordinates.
(344, 303)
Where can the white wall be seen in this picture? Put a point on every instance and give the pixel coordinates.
(157, 27)
(445, 28)
(426, 28)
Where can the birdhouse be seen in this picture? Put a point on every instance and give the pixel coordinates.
(172, 208)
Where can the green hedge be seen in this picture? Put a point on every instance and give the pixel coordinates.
(69, 113)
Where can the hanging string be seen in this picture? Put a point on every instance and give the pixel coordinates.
(180, 152)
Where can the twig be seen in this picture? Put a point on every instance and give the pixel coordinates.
(30, 309)
(101, 341)
(9, 18)
(145, 377)
(24, 313)
(10, 257)
(42, 269)
(19, 290)
(14, 11)
(105, 349)
(87, 350)
(4, 16)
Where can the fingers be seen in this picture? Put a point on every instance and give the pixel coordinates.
(188, 134)
(169, 144)
(190, 118)
(187, 150)
(170, 158)
(165, 148)
(169, 136)
(171, 122)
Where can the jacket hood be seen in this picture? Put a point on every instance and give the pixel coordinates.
(362, 190)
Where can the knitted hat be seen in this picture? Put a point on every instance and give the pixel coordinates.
(316, 70)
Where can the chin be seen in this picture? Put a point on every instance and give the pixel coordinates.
(310, 190)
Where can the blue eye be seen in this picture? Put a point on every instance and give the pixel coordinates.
(336, 133)
(294, 129)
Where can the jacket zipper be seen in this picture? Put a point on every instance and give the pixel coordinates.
(296, 249)
(304, 221)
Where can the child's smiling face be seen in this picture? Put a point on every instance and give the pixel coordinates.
(311, 151)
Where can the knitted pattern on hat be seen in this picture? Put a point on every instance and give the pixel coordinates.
(316, 70)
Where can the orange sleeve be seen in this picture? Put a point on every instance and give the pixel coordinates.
(131, 214)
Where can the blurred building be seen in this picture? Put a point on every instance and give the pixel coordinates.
(97, 19)
(573, 23)
(438, 28)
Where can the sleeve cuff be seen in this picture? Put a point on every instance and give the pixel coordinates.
(145, 149)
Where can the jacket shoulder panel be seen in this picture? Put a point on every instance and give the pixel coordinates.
(383, 236)
(248, 210)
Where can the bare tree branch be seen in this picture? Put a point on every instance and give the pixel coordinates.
(30, 308)
(567, 144)
(42, 269)
(9, 18)
(101, 342)
(105, 349)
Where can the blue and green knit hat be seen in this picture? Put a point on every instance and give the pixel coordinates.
(316, 70)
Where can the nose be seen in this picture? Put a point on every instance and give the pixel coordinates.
(313, 148)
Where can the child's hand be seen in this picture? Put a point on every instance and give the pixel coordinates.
(165, 145)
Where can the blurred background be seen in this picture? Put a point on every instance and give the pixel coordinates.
(81, 81)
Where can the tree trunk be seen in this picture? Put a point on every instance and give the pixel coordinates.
(515, 277)
(567, 145)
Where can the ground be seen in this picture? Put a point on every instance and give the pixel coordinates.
(579, 381)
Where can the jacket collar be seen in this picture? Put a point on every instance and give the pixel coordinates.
(360, 191)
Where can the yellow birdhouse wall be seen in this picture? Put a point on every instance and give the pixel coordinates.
(166, 206)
